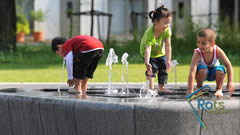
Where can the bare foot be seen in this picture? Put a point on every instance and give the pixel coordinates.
(164, 90)
(219, 93)
(198, 91)
(74, 91)
(79, 96)
(84, 92)
(189, 92)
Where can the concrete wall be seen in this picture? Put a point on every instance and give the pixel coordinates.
(57, 23)
(85, 23)
(153, 4)
(200, 13)
(29, 115)
(65, 21)
(51, 25)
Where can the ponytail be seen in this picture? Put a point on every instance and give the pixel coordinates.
(159, 13)
(150, 14)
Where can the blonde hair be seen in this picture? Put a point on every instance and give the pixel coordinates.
(208, 33)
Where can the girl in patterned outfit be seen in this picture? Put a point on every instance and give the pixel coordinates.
(205, 64)
(155, 47)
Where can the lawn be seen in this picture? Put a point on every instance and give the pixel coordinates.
(51, 73)
(37, 63)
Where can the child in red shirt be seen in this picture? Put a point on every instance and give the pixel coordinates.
(82, 54)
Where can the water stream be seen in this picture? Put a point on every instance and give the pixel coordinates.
(60, 80)
(174, 64)
(125, 72)
(111, 58)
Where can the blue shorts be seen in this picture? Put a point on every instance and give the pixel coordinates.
(211, 72)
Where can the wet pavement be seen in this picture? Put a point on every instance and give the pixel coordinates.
(97, 92)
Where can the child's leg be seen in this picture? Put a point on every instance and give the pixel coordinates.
(200, 77)
(151, 77)
(92, 60)
(162, 75)
(84, 85)
(151, 82)
(78, 83)
(219, 82)
(162, 89)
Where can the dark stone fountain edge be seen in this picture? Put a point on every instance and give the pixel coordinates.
(28, 115)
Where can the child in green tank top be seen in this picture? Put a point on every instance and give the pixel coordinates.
(155, 47)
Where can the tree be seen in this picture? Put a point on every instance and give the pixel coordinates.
(7, 25)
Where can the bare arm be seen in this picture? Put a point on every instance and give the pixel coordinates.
(193, 68)
(147, 59)
(168, 50)
(222, 56)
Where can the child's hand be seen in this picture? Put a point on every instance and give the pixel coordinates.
(168, 65)
(70, 83)
(230, 87)
(149, 69)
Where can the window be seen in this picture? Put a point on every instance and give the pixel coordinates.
(180, 9)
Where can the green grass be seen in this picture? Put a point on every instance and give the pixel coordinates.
(37, 63)
(51, 73)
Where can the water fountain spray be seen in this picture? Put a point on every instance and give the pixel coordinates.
(174, 64)
(111, 58)
(64, 61)
(125, 63)
(146, 92)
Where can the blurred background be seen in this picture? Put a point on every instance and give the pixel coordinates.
(28, 26)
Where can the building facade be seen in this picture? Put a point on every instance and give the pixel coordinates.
(129, 16)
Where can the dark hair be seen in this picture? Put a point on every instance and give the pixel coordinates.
(57, 41)
(159, 13)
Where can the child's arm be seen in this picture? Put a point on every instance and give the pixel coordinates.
(69, 65)
(147, 58)
(168, 50)
(193, 68)
(222, 56)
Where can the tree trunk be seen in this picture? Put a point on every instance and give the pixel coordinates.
(7, 25)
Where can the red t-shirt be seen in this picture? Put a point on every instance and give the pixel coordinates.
(82, 44)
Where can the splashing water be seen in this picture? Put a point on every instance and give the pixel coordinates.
(146, 92)
(125, 63)
(111, 58)
(60, 80)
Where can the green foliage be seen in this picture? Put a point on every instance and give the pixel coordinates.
(228, 36)
(182, 48)
(22, 23)
(31, 54)
(131, 47)
(23, 28)
(38, 15)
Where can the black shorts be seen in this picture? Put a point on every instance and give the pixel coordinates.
(84, 64)
(159, 67)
